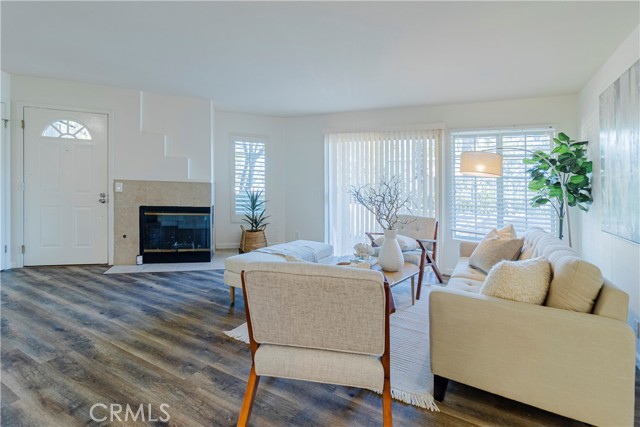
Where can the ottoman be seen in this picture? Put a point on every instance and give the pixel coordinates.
(298, 250)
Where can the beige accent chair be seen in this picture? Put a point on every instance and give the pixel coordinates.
(425, 231)
(317, 323)
(579, 365)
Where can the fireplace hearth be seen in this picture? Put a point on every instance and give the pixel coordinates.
(175, 234)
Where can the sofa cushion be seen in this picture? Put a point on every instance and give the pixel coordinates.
(523, 281)
(493, 249)
(575, 285)
(466, 285)
(463, 270)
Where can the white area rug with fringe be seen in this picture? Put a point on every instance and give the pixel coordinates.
(411, 377)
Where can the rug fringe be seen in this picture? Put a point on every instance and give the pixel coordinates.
(421, 400)
(238, 334)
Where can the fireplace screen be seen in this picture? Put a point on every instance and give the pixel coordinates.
(175, 234)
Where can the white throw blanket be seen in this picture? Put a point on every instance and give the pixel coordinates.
(291, 252)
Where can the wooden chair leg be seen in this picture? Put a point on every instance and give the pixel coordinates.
(232, 294)
(420, 276)
(439, 387)
(387, 419)
(435, 270)
(413, 290)
(249, 395)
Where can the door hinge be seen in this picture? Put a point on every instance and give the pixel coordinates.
(6, 248)
(22, 249)
(22, 124)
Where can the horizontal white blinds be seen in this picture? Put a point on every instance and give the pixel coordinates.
(480, 204)
(361, 158)
(249, 171)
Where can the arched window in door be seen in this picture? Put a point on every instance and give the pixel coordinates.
(66, 129)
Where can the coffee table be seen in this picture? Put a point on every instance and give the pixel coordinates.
(408, 271)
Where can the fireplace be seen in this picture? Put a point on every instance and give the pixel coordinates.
(175, 234)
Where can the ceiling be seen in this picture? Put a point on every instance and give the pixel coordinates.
(299, 58)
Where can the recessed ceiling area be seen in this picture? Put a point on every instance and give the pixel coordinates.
(299, 58)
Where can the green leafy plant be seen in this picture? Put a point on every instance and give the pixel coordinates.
(255, 211)
(566, 170)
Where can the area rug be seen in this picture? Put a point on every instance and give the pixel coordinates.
(411, 377)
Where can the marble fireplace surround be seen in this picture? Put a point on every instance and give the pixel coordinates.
(151, 193)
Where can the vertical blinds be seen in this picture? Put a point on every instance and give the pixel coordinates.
(357, 159)
(249, 171)
(480, 204)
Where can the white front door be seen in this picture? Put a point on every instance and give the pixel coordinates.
(65, 176)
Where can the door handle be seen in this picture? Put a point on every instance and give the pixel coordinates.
(103, 198)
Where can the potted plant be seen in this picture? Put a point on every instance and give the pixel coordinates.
(561, 178)
(254, 236)
(384, 202)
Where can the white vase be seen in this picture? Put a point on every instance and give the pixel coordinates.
(390, 257)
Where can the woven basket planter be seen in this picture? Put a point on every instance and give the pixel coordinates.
(251, 240)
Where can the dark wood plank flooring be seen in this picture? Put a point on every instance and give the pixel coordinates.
(73, 337)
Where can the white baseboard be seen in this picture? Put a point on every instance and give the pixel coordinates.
(237, 245)
(228, 245)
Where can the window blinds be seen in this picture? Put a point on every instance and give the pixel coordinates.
(480, 204)
(249, 171)
(356, 159)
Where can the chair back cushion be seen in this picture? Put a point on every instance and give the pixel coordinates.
(316, 306)
(416, 227)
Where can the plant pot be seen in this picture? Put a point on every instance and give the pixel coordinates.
(390, 257)
(251, 240)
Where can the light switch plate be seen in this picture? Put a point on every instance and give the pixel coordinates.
(119, 187)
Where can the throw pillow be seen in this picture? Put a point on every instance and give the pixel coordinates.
(406, 243)
(575, 286)
(493, 249)
(523, 281)
(507, 232)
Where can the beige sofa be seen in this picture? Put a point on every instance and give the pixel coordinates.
(580, 365)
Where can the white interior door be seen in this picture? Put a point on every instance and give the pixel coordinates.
(65, 198)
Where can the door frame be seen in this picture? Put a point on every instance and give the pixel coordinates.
(17, 175)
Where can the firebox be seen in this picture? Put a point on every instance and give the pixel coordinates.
(175, 234)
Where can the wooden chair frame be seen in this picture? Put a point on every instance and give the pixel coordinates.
(254, 379)
(426, 259)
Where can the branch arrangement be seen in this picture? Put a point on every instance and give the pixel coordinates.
(383, 201)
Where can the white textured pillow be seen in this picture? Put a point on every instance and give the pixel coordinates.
(523, 281)
(406, 243)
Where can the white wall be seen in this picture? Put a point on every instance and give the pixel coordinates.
(151, 137)
(277, 157)
(5, 177)
(619, 259)
(305, 151)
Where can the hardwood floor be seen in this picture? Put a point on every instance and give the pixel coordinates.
(73, 337)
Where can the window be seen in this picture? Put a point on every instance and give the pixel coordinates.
(480, 204)
(356, 159)
(249, 170)
(66, 129)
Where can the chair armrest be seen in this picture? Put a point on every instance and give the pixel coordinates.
(424, 244)
(373, 239)
(576, 364)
